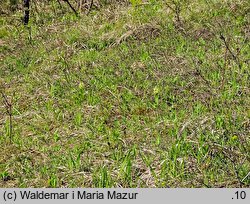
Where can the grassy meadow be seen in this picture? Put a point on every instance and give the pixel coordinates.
(126, 94)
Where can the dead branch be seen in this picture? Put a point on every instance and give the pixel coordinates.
(26, 5)
(72, 8)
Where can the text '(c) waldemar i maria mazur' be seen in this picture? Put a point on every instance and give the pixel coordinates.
(77, 195)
